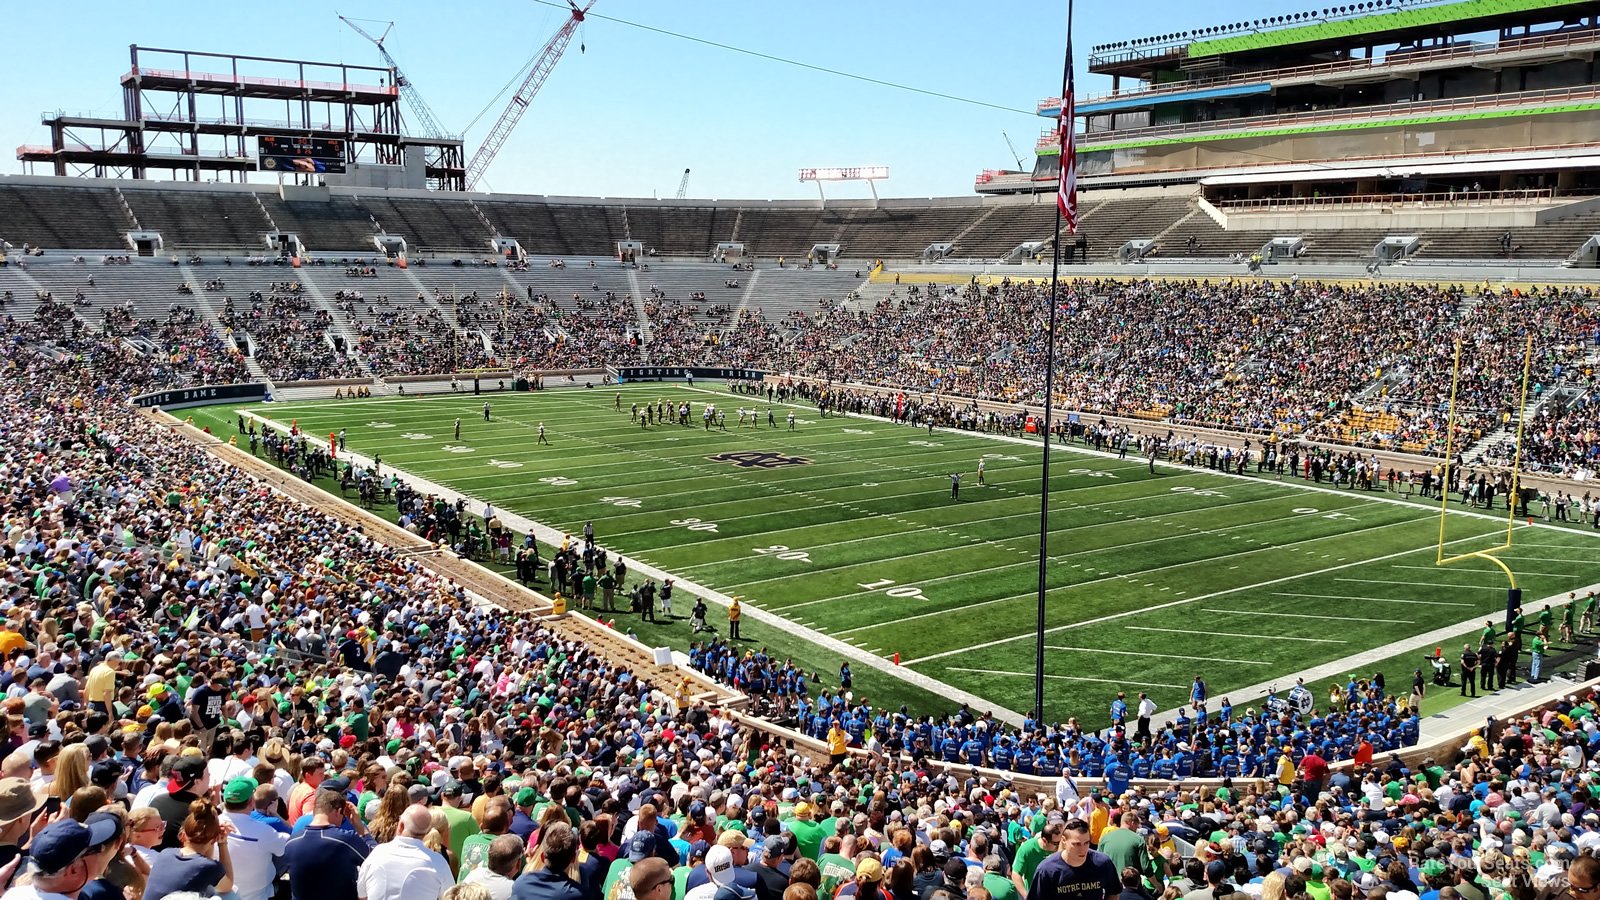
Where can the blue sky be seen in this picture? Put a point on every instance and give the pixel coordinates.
(624, 118)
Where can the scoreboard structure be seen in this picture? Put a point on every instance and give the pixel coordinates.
(300, 155)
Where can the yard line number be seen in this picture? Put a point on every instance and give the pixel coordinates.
(904, 592)
(779, 551)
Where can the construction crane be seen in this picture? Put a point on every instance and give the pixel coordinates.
(683, 186)
(542, 65)
(1013, 149)
(428, 122)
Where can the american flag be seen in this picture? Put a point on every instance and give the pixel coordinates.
(1067, 189)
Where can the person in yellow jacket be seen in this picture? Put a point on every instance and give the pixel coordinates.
(838, 742)
(734, 614)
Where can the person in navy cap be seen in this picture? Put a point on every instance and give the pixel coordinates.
(57, 858)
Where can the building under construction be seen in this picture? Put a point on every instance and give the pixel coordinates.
(200, 116)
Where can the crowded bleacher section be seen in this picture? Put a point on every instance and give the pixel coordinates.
(217, 690)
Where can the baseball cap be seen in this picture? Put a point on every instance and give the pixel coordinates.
(525, 797)
(104, 828)
(239, 790)
(452, 788)
(185, 772)
(729, 838)
(939, 849)
(641, 846)
(58, 845)
(869, 869)
(1216, 870)
(719, 865)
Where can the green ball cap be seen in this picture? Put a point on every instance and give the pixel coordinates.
(239, 790)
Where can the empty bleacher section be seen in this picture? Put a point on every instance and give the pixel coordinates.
(430, 224)
(84, 218)
(1006, 226)
(342, 224)
(774, 231)
(201, 220)
(231, 220)
(679, 230)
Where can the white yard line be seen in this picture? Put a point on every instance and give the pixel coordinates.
(1252, 612)
(1154, 684)
(1148, 609)
(1432, 584)
(1235, 634)
(1193, 532)
(1494, 572)
(1140, 574)
(1217, 659)
(1374, 599)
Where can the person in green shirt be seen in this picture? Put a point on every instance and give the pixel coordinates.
(836, 869)
(1126, 846)
(807, 833)
(998, 885)
(1034, 851)
(475, 849)
(462, 824)
(1536, 650)
(359, 724)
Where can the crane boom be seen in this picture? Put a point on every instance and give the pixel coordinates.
(419, 107)
(1013, 149)
(683, 186)
(542, 66)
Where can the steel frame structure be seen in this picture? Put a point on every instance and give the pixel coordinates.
(195, 115)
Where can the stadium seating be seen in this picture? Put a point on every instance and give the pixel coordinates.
(193, 221)
(86, 218)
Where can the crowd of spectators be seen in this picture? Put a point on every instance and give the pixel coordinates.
(214, 689)
(293, 341)
(1564, 442)
(1368, 365)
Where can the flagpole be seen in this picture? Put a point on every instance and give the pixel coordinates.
(1049, 389)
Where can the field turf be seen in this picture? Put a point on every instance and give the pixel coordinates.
(846, 526)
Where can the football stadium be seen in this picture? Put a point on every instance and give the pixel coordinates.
(1207, 507)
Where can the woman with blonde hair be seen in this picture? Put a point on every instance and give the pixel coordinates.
(72, 773)
(202, 864)
(386, 821)
(438, 839)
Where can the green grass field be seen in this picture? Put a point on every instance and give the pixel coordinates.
(846, 527)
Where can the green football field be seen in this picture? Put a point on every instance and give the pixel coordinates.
(846, 527)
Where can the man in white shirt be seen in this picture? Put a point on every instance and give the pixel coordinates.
(253, 845)
(499, 875)
(404, 868)
(256, 615)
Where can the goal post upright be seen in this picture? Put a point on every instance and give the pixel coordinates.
(1513, 593)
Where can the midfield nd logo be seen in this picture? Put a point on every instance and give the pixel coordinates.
(760, 459)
